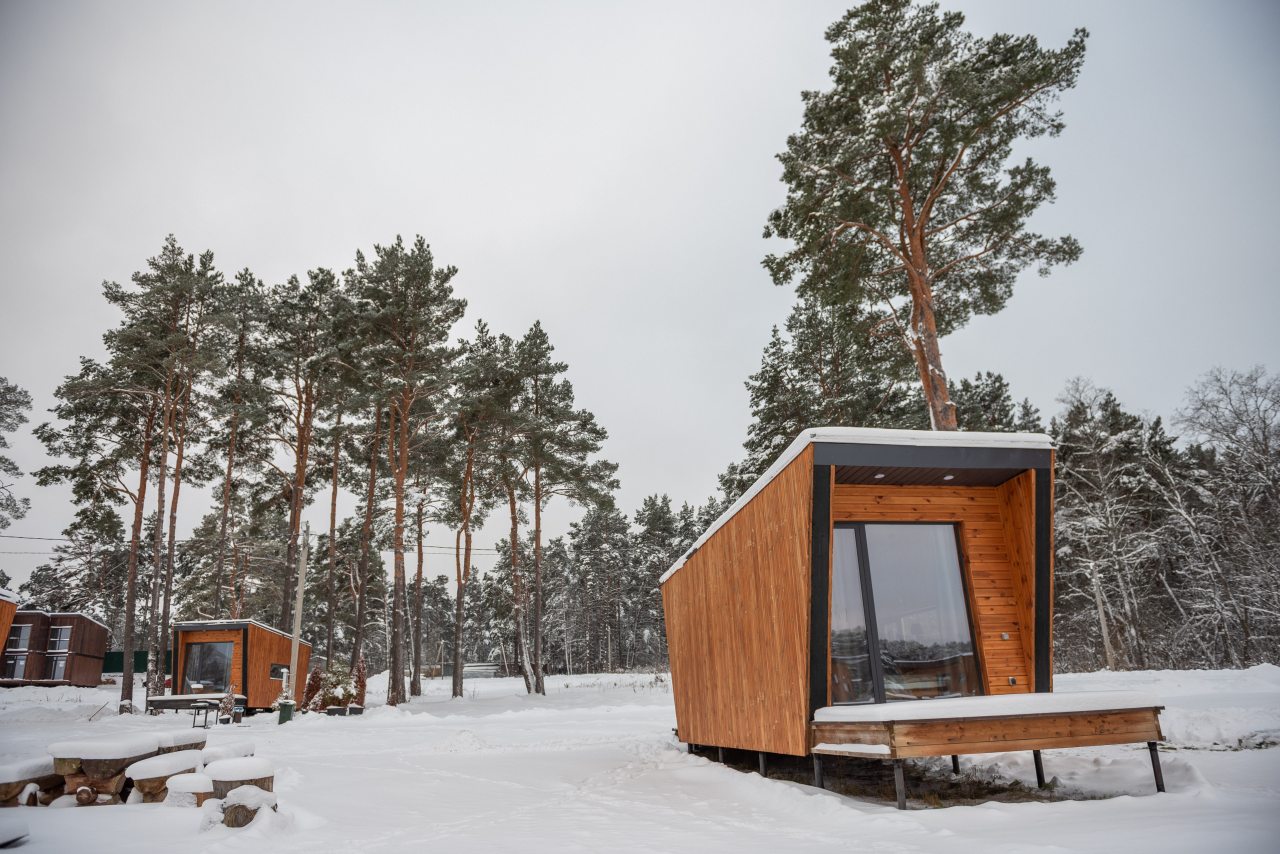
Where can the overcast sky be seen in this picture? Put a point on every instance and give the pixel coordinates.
(607, 168)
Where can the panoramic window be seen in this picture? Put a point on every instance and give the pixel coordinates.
(207, 668)
(59, 638)
(899, 624)
(19, 637)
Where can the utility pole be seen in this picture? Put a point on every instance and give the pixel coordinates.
(297, 611)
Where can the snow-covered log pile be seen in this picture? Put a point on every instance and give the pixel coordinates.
(241, 787)
(29, 782)
(94, 769)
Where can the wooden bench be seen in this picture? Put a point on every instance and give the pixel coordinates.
(954, 727)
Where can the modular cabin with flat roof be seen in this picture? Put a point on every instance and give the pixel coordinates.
(884, 594)
(212, 657)
(60, 648)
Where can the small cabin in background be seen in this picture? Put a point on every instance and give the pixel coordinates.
(213, 656)
(44, 648)
(883, 594)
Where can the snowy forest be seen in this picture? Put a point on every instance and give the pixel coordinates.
(353, 389)
(1167, 543)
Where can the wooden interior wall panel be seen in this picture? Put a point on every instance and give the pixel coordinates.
(737, 616)
(998, 607)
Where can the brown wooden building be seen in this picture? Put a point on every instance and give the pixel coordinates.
(249, 657)
(865, 577)
(53, 649)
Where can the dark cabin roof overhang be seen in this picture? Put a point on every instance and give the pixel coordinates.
(903, 457)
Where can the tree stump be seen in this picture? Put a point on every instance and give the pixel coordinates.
(222, 788)
(230, 774)
(243, 806)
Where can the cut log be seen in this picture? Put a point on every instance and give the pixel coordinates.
(230, 774)
(222, 788)
(243, 805)
(85, 796)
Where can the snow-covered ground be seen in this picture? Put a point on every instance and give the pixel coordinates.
(594, 767)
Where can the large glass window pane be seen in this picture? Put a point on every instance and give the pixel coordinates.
(55, 667)
(208, 668)
(926, 644)
(850, 657)
(59, 638)
(19, 637)
(15, 667)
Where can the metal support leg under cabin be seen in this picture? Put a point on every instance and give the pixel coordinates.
(764, 764)
(955, 764)
(817, 771)
(689, 747)
(720, 755)
(1155, 765)
(1035, 755)
(900, 784)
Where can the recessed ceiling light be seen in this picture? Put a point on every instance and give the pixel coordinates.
(879, 475)
(948, 477)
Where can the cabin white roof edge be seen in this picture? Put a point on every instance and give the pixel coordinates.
(232, 623)
(863, 436)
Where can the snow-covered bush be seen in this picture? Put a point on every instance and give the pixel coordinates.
(336, 689)
(315, 681)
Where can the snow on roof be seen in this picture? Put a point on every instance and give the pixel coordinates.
(88, 617)
(9, 596)
(865, 436)
(235, 624)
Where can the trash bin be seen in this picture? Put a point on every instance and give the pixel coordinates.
(286, 710)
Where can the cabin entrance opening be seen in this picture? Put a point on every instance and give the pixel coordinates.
(900, 625)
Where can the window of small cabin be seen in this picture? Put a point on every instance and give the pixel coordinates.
(277, 671)
(15, 666)
(208, 665)
(900, 626)
(55, 667)
(19, 637)
(59, 638)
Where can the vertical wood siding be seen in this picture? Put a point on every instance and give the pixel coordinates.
(737, 617)
(268, 648)
(996, 535)
(7, 610)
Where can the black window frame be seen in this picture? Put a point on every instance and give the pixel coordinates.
(186, 664)
(876, 666)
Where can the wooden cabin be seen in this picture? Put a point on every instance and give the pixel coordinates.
(883, 594)
(248, 657)
(62, 648)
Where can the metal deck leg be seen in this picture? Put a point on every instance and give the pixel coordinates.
(764, 764)
(720, 755)
(1155, 765)
(955, 764)
(1035, 754)
(900, 784)
(817, 771)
